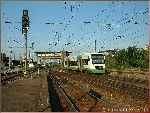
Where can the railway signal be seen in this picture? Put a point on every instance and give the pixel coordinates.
(25, 27)
(25, 22)
(24, 31)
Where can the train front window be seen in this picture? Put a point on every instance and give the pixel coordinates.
(97, 59)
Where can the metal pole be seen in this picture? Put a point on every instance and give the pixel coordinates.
(32, 51)
(63, 58)
(95, 46)
(14, 55)
(73, 50)
(20, 58)
(29, 56)
(10, 53)
(2, 56)
(25, 54)
(45, 60)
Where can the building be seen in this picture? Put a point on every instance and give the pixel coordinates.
(110, 51)
(51, 55)
(139, 49)
(146, 47)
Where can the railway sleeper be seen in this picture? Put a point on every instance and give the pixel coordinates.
(128, 79)
(137, 93)
(128, 90)
(134, 91)
(108, 83)
(141, 95)
(91, 91)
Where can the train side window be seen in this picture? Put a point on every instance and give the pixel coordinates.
(65, 62)
(73, 63)
(85, 61)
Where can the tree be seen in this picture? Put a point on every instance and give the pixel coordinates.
(121, 58)
(3, 58)
(110, 61)
(130, 58)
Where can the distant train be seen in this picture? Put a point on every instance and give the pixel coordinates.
(86, 62)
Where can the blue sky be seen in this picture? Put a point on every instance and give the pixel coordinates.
(74, 34)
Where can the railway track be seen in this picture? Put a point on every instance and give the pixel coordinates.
(126, 79)
(97, 93)
(119, 93)
(79, 99)
(10, 77)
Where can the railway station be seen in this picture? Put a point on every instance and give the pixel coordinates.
(52, 55)
(75, 56)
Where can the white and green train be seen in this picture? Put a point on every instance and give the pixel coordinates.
(71, 63)
(87, 62)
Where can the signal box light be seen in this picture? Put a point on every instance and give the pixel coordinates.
(25, 12)
(24, 31)
(25, 21)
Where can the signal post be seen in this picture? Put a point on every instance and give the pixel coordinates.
(25, 27)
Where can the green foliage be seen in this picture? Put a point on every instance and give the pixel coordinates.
(4, 60)
(130, 58)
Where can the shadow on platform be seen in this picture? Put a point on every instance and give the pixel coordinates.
(53, 97)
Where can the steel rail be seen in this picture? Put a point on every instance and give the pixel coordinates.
(97, 98)
(68, 98)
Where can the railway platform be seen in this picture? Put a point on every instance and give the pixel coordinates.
(26, 95)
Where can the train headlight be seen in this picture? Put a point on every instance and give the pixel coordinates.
(101, 67)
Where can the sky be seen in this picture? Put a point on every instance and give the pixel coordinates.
(111, 24)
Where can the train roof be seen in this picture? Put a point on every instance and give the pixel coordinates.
(79, 56)
(91, 53)
(67, 58)
(85, 54)
(71, 58)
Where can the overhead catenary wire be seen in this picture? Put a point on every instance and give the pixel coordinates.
(103, 20)
(130, 19)
(90, 21)
(113, 28)
(87, 37)
(71, 18)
